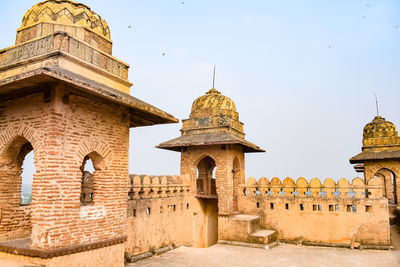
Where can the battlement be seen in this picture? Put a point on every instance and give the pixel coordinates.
(148, 186)
(314, 189)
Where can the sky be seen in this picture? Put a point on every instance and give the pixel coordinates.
(302, 74)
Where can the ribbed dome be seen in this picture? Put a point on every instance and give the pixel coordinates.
(212, 102)
(379, 127)
(66, 12)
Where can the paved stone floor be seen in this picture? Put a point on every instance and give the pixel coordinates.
(283, 255)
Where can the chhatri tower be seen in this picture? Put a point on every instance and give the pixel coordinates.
(66, 98)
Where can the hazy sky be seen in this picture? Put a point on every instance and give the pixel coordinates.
(301, 73)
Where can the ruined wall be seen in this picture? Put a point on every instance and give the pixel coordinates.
(62, 131)
(336, 213)
(160, 213)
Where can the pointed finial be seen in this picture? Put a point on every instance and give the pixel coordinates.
(377, 108)
(214, 78)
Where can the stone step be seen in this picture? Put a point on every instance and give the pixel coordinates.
(246, 223)
(249, 245)
(244, 217)
(264, 236)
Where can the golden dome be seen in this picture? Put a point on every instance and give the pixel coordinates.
(211, 103)
(66, 12)
(379, 127)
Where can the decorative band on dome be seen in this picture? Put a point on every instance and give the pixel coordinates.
(66, 12)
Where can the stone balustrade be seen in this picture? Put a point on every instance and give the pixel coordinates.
(145, 186)
(313, 189)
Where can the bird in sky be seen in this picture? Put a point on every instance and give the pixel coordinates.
(163, 54)
(130, 26)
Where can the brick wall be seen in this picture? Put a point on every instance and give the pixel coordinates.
(62, 133)
(227, 169)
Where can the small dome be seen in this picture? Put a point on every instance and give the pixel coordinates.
(212, 103)
(66, 12)
(379, 127)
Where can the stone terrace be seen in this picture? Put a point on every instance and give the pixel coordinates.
(284, 255)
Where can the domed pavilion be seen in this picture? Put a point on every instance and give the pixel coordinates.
(380, 156)
(213, 121)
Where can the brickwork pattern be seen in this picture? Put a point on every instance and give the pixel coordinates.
(61, 136)
(224, 157)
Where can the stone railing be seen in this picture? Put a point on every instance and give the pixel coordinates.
(145, 186)
(60, 41)
(313, 189)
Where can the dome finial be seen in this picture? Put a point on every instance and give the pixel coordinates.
(214, 78)
(376, 102)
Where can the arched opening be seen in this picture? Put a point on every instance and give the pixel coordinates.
(16, 172)
(28, 169)
(206, 183)
(92, 165)
(236, 181)
(206, 223)
(389, 181)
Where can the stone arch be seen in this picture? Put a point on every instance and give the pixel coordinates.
(204, 155)
(389, 181)
(14, 148)
(101, 148)
(205, 182)
(12, 132)
(89, 184)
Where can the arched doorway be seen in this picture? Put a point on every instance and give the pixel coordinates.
(16, 171)
(389, 181)
(206, 223)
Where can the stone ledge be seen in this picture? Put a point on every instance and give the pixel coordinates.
(249, 245)
(336, 245)
(20, 248)
(149, 254)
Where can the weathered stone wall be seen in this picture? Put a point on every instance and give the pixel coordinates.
(160, 213)
(62, 131)
(337, 213)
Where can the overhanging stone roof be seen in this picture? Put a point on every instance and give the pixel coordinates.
(141, 113)
(219, 138)
(375, 155)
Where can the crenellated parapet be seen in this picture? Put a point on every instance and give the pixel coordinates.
(147, 186)
(314, 189)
